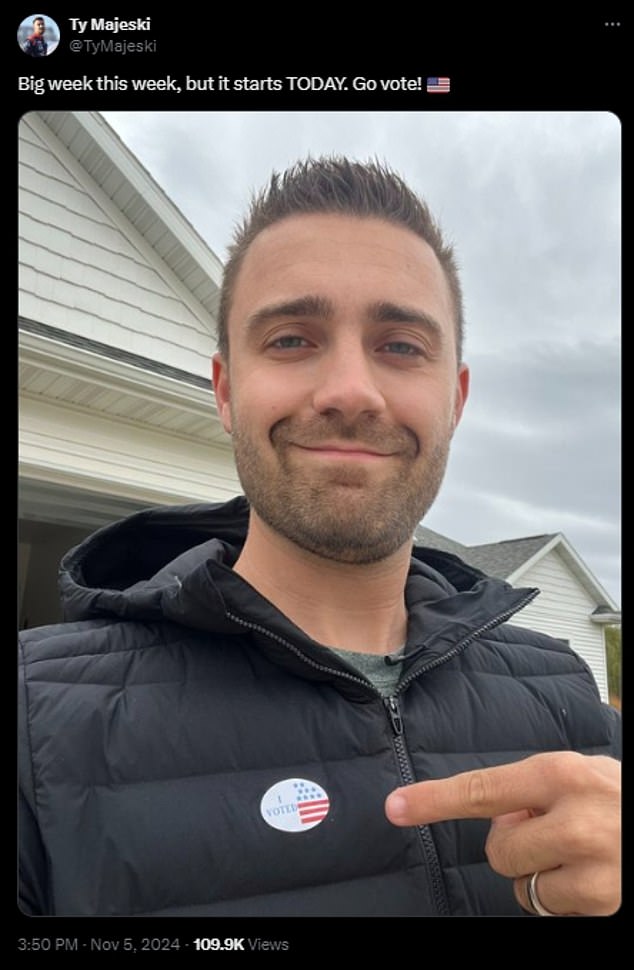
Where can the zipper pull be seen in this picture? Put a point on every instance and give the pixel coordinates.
(394, 714)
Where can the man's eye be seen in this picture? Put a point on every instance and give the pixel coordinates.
(288, 343)
(402, 347)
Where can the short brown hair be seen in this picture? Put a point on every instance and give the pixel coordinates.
(337, 185)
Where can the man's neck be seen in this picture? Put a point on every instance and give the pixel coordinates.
(350, 606)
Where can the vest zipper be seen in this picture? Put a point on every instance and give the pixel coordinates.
(463, 644)
(405, 766)
(500, 618)
(394, 714)
(311, 663)
(430, 855)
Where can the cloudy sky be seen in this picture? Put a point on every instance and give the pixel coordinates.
(531, 202)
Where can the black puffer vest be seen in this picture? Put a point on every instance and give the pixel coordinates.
(186, 750)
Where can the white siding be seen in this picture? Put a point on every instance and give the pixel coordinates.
(68, 445)
(86, 270)
(563, 610)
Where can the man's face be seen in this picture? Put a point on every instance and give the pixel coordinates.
(343, 389)
(39, 27)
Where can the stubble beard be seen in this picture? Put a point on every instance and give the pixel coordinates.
(346, 514)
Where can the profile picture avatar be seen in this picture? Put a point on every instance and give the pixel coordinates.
(38, 35)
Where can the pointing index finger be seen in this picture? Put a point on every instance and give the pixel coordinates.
(533, 783)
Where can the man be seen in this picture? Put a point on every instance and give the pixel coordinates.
(36, 46)
(275, 708)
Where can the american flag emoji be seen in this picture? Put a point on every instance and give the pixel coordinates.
(438, 85)
(313, 803)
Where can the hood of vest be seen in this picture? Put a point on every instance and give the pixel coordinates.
(175, 563)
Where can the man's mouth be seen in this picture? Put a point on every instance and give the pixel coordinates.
(347, 450)
(364, 442)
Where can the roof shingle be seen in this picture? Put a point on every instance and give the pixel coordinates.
(499, 559)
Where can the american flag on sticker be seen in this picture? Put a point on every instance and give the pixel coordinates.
(438, 85)
(313, 803)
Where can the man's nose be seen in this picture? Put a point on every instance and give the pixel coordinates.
(347, 383)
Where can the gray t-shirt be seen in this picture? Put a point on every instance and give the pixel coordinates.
(385, 677)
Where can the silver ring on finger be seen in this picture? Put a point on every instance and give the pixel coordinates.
(533, 898)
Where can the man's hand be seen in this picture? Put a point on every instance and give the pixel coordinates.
(558, 814)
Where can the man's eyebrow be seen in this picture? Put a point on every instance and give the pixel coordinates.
(387, 312)
(322, 308)
(303, 306)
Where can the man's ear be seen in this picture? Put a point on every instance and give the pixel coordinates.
(220, 378)
(462, 392)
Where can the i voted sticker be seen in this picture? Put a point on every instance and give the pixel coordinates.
(294, 805)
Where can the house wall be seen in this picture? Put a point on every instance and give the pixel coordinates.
(98, 433)
(563, 610)
(73, 446)
(86, 270)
